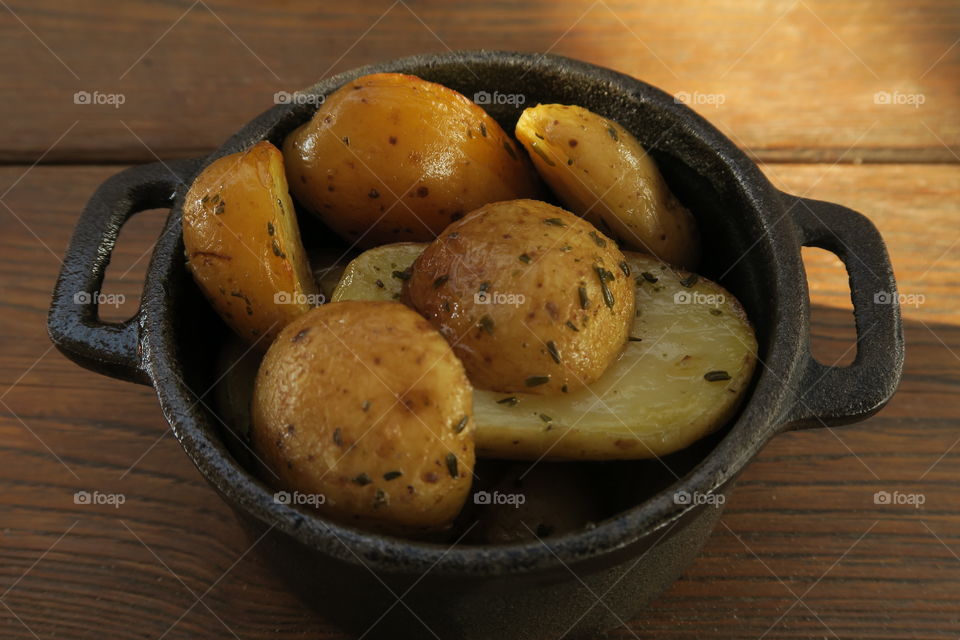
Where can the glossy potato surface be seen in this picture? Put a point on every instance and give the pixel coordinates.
(390, 157)
(599, 170)
(243, 244)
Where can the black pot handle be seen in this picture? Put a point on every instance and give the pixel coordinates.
(830, 395)
(110, 348)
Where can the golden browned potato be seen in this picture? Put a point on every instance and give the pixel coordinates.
(243, 244)
(684, 371)
(364, 405)
(531, 297)
(390, 157)
(599, 170)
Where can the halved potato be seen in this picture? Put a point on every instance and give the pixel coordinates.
(390, 157)
(363, 406)
(600, 171)
(681, 377)
(243, 244)
(531, 297)
(378, 274)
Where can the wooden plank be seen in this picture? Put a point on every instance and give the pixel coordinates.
(915, 207)
(789, 80)
(793, 524)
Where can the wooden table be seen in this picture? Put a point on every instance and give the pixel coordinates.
(852, 101)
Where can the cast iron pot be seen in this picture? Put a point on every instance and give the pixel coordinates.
(573, 584)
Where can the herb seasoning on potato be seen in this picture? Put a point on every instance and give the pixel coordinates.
(508, 317)
(600, 171)
(390, 158)
(365, 404)
(243, 244)
(655, 399)
(479, 321)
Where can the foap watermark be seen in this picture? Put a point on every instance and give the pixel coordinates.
(697, 98)
(916, 500)
(98, 498)
(96, 97)
(99, 298)
(296, 498)
(497, 498)
(683, 497)
(298, 97)
(496, 297)
(513, 99)
(298, 297)
(896, 98)
(912, 299)
(695, 297)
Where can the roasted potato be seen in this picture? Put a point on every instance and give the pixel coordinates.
(390, 157)
(669, 388)
(531, 297)
(599, 170)
(243, 244)
(689, 361)
(388, 263)
(364, 404)
(365, 273)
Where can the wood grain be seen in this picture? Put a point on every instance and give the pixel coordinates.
(801, 522)
(803, 550)
(788, 80)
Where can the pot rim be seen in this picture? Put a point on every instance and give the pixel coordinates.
(755, 424)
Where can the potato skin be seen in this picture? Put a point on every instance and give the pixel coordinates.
(392, 158)
(243, 244)
(600, 171)
(561, 331)
(365, 403)
(655, 399)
